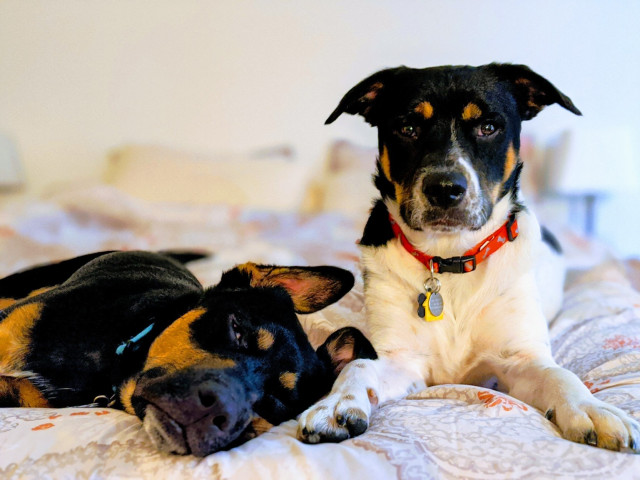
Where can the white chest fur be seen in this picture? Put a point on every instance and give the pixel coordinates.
(482, 309)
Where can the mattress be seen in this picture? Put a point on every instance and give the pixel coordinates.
(445, 431)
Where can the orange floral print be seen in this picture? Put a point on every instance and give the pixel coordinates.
(596, 386)
(621, 341)
(43, 426)
(79, 413)
(103, 412)
(491, 400)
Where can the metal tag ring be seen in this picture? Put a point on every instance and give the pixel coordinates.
(432, 284)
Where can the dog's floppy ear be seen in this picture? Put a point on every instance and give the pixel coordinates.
(344, 346)
(361, 99)
(532, 91)
(310, 288)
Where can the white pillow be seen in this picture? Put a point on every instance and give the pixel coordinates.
(271, 179)
(346, 184)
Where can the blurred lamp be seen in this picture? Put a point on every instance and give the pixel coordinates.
(587, 164)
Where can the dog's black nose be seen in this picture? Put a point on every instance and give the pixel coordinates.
(444, 190)
(206, 413)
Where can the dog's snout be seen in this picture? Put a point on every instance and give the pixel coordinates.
(204, 413)
(444, 190)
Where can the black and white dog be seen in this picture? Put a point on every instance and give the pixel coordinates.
(459, 282)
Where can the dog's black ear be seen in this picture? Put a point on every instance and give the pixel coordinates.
(310, 288)
(344, 346)
(532, 91)
(361, 99)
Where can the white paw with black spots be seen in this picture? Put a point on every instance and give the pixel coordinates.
(598, 424)
(335, 418)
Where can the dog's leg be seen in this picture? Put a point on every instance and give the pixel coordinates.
(537, 380)
(359, 388)
(20, 392)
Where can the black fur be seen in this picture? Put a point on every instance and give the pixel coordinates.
(377, 231)
(550, 239)
(105, 301)
(413, 140)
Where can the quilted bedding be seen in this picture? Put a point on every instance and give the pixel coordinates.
(447, 431)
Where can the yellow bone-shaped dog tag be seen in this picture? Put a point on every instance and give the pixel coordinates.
(430, 306)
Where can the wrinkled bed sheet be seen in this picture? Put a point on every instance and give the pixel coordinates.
(447, 431)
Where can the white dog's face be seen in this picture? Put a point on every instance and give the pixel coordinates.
(449, 138)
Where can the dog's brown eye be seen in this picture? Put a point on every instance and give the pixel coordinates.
(408, 131)
(487, 129)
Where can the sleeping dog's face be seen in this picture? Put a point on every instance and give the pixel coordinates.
(449, 137)
(240, 360)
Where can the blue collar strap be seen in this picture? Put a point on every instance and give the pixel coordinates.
(133, 340)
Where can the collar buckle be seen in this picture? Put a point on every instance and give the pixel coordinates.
(463, 264)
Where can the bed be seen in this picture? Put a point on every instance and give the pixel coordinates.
(446, 431)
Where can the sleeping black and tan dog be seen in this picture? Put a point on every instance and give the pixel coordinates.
(204, 369)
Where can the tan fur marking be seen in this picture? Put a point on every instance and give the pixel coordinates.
(6, 302)
(265, 339)
(126, 392)
(288, 380)
(399, 195)
(348, 397)
(385, 163)
(252, 270)
(260, 425)
(471, 112)
(174, 347)
(495, 192)
(23, 391)
(38, 291)
(426, 109)
(14, 335)
(510, 162)
(373, 398)
(373, 91)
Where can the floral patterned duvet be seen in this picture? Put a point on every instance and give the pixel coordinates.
(446, 431)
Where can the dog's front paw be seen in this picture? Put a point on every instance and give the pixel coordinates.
(597, 423)
(339, 416)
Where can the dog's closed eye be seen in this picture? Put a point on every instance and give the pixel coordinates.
(237, 332)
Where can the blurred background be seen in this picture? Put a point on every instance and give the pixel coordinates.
(207, 101)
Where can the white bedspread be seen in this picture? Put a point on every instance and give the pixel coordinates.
(447, 431)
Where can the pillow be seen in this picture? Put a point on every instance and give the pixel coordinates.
(346, 184)
(268, 179)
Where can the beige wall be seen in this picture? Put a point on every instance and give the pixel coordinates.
(78, 77)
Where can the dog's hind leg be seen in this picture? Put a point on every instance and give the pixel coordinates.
(29, 282)
(20, 392)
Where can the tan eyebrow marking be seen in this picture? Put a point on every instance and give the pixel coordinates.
(288, 380)
(265, 339)
(426, 109)
(471, 111)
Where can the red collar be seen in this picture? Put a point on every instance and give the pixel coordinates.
(471, 258)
